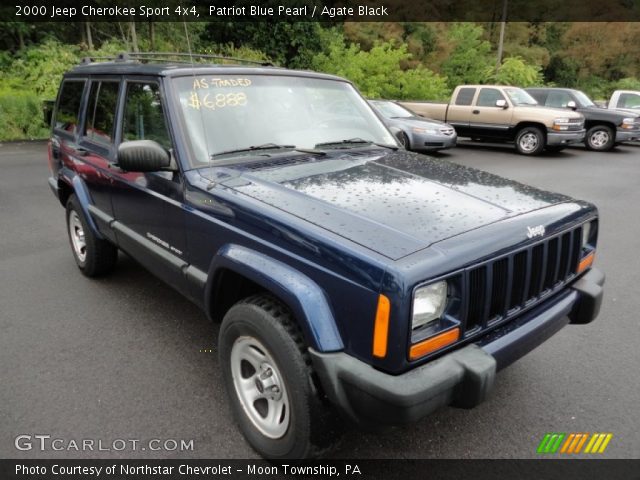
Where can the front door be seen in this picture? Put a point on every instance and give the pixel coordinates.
(148, 207)
(489, 120)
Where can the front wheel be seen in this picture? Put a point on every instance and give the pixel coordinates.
(404, 141)
(269, 382)
(600, 138)
(530, 141)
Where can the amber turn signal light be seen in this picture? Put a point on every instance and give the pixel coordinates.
(586, 262)
(381, 327)
(434, 343)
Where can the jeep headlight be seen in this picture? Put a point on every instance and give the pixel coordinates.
(428, 303)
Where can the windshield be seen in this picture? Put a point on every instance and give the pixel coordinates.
(391, 110)
(583, 100)
(519, 97)
(224, 114)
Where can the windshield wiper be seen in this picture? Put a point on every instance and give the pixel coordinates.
(267, 146)
(353, 141)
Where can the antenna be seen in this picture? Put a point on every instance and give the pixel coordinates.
(204, 135)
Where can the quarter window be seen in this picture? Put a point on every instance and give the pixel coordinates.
(101, 111)
(465, 96)
(143, 115)
(68, 109)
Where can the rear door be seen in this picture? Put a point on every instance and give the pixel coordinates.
(487, 119)
(459, 110)
(148, 206)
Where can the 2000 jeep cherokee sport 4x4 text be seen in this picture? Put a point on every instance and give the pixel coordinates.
(348, 273)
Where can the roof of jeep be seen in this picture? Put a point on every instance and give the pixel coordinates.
(181, 69)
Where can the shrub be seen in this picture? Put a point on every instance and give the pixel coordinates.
(21, 116)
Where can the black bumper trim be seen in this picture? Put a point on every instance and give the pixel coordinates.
(462, 378)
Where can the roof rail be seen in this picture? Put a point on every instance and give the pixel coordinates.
(170, 57)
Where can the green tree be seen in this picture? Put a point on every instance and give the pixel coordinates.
(514, 71)
(378, 73)
(469, 59)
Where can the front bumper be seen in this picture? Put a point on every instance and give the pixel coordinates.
(565, 138)
(462, 378)
(627, 135)
(424, 142)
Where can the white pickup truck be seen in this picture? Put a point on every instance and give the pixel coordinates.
(627, 100)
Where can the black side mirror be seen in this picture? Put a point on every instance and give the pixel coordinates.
(47, 111)
(143, 156)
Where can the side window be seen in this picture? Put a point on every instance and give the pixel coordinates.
(465, 96)
(558, 99)
(629, 100)
(68, 109)
(143, 116)
(101, 111)
(488, 97)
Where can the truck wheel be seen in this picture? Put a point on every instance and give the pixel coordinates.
(600, 138)
(93, 255)
(530, 141)
(267, 375)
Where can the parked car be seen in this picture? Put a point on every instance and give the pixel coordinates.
(348, 274)
(505, 114)
(605, 128)
(416, 132)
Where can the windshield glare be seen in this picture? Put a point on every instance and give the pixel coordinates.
(223, 113)
(519, 97)
(391, 110)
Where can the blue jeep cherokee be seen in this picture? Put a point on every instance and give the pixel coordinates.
(349, 275)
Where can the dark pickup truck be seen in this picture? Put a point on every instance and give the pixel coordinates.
(605, 128)
(348, 274)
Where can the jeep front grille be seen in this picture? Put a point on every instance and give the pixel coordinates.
(503, 287)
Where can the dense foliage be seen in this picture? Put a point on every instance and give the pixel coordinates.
(385, 60)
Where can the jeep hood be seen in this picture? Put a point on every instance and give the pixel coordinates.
(394, 203)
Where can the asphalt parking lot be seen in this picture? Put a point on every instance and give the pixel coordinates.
(124, 357)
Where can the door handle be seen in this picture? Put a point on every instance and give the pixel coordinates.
(476, 112)
(83, 152)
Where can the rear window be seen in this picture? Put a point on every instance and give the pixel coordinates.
(68, 111)
(465, 96)
(101, 111)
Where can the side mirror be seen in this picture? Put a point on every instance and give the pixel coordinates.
(399, 134)
(572, 105)
(47, 111)
(502, 103)
(143, 156)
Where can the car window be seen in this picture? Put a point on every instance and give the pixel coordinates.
(488, 97)
(629, 100)
(68, 110)
(465, 96)
(101, 111)
(558, 99)
(143, 114)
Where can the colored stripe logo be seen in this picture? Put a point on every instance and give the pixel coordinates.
(573, 443)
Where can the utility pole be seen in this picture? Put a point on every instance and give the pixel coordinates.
(503, 24)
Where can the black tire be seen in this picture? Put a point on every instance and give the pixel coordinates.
(600, 138)
(404, 141)
(99, 256)
(530, 141)
(555, 148)
(263, 325)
